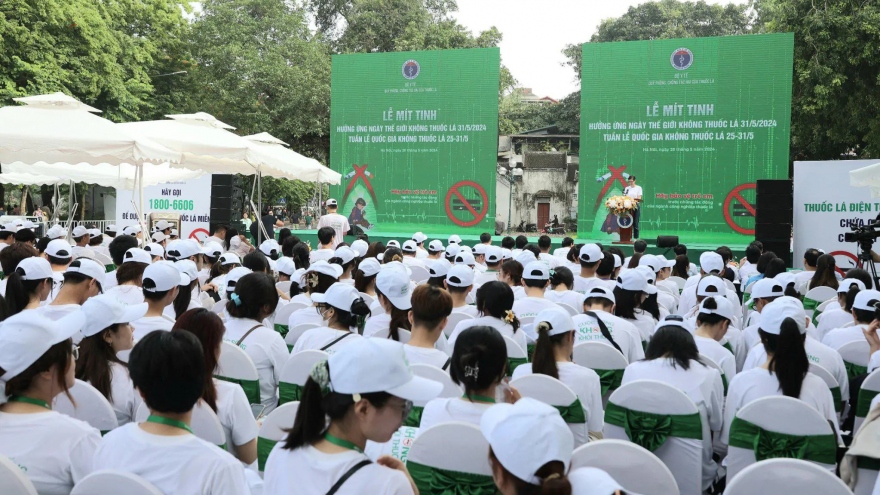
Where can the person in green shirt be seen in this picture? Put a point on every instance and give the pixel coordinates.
(308, 219)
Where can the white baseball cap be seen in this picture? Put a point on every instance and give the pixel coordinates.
(159, 236)
(164, 277)
(132, 230)
(775, 313)
(155, 249)
(600, 291)
(593, 481)
(163, 224)
(80, 230)
(419, 237)
(87, 267)
(138, 255)
(329, 269)
(711, 281)
(494, 254)
(526, 257)
(183, 248)
(378, 365)
(233, 277)
(462, 248)
(665, 263)
(527, 435)
(465, 258)
(767, 288)
(480, 249)
(590, 253)
(338, 295)
(394, 285)
(617, 261)
(270, 247)
(674, 321)
(454, 239)
(188, 269)
(452, 250)
(437, 268)
(56, 232)
(785, 279)
(59, 248)
(346, 254)
(844, 285)
(393, 243)
(635, 280)
(95, 232)
(460, 276)
(559, 319)
(174, 233)
(536, 271)
(652, 262)
(409, 246)
(435, 246)
(110, 228)
(296, 277)
(285, 265)
(34, 268)
(26, 336)
(230, 259)
(648, 272)
(360, 247)
(711, 261)
(331, 203)
(105, 310)
(506, 254)
(10, 227)
(724, 309)
(864, 298)
(370, 266)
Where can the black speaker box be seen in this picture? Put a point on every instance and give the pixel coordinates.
(781, 249)
(773, 231)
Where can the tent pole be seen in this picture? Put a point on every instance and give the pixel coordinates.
(144, 231)
(320, 200)
(260, 205)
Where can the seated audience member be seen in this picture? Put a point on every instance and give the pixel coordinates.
(28, 286)
(811, 258)
(431, 306)
(495, 305)
(342, 310)
(317, 279)
(839, 313)
(536, 278)
(327, 240)
(460, 282)
(561, 283)
(129, 276)
(598, 323)
(511, 274)
(632, 289)
(863, 314)
(161, 282)
(393, 293)
(825, 275)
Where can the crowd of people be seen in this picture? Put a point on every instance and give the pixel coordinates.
(725, 332)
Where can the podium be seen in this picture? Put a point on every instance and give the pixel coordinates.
(625, 236)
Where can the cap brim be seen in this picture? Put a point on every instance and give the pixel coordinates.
(418, 389)
(493, 416)
(68, 326)
(133, 313)
(400, 302)
(650, 290)
(318, 297)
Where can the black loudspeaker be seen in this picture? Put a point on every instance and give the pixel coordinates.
(227, 199)
(774, 201)
(782, 249)
(667, 241)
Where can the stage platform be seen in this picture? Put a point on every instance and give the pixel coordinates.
(697, 243)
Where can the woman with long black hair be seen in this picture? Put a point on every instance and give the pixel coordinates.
(393, 294)
(631, 291)
(29, 285)
(495, 304)
(825, 273)
(341, 310)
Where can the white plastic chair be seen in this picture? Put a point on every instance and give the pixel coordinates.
(206, 301)
(712, 364)
(297, 369)
(729, 285)
(91, 407)
(419, 274)
(823, 306)
(293, 334)
(398, 447)
(450, 389)
(514, 351)
(284, 287)
(683, 456)
(236, 364)
(857, 352)
(283, 315)
(13, 480)
(272, 430)
(205, 424)
(453, 446)
(454, 319)
(571, 311)
(367, 298)
(780, 415)
(870, 388)
(103, 259)
(820, 294)
(526, 320)
(785, 476)
(402, 335)
(634, 467)
(553, 392)
(110, 482)
(599, 357)
(830, 381)
(680, 282)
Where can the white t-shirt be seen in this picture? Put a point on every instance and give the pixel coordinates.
(317, 338)
(129, 294)
(308, 471)
(235, 413)
(624, 333)
(413, 261)
(57, 280)
(57, 311)
(518, 293)
(716, 352)
(239, 247)
(504, 328)
(125, 399)
(308, 314)
(176, 465)
(829, 320)
(423, 355)
(634, 192)
(452, 409)
(747, 271)
(109, 280)
(584, 382)
(376, 324)
(836, 338)
(549, 260)
(645, 323)
(484, 278)
(141, 327)
(568, 297)
(468, 310)
(55, 451)
(82, 252)
(584, 284)
(321, 255)
(817, 353)
(530, 306)
(758, 382)
(266, 349)
(336, 222)
(561, 253)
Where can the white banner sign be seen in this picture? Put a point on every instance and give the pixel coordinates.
(826, 207)
(190, 199)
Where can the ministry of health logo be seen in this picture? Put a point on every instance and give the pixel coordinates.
(682, 58)
(411, 69)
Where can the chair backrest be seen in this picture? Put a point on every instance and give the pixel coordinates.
(206, 301)
(103, 259)
(219, 307)
(667, 289)
(91, 407)
(856, 352)
(786, 476)
(367, 298)
(205, 423)
(870, 389)
(598, 356)
(513, 349)
(454, 319)
(822, 306)
(825, 375)
(282, 316)
(712, 364)
(729, 285)
(455, 446)
(236, 365)
(296, 372)
(419, 274)
(634, 467)
(450, 389)
(820, 294)
(680, 282)
(13, 480)
(110, 482)
(293, 334)
(526, 320)
(283, 286)
(571, 311)
(544, 388)
(272, 430)
(402, 335)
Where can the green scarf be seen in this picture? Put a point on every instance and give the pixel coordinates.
(651, 430)
(610, 379)
(771, 445)
(251, 387)
(573, 413)
(289, 392)
(436, 481)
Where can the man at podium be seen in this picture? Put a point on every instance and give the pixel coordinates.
(635, 192)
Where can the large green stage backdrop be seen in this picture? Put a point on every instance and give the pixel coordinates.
(415, 136)
(697, 121)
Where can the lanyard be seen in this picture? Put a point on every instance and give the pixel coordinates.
(169, 422)
(342, 443)
(28, 400)
(480, 398)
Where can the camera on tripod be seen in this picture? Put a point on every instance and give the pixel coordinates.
(863, 235)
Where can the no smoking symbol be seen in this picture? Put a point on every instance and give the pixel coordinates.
(736, 200)
(466, 197)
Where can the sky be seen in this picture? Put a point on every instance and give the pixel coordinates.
(535, 32)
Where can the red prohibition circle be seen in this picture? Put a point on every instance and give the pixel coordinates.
(192, 235)
(846, 254)
(478, 216)
(736, 194)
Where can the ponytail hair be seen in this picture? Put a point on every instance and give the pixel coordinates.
(479, 359)
(496, 299)
(544, 358)
(552, 475)
(561, 276)
(19, 291)
(399, 318)
(315, 407)
(789, 361)
(850, 297)
(710, 318)
(354, 316)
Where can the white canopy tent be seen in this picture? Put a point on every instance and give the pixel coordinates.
(311, 169)
(118, 177)
(867, 177)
